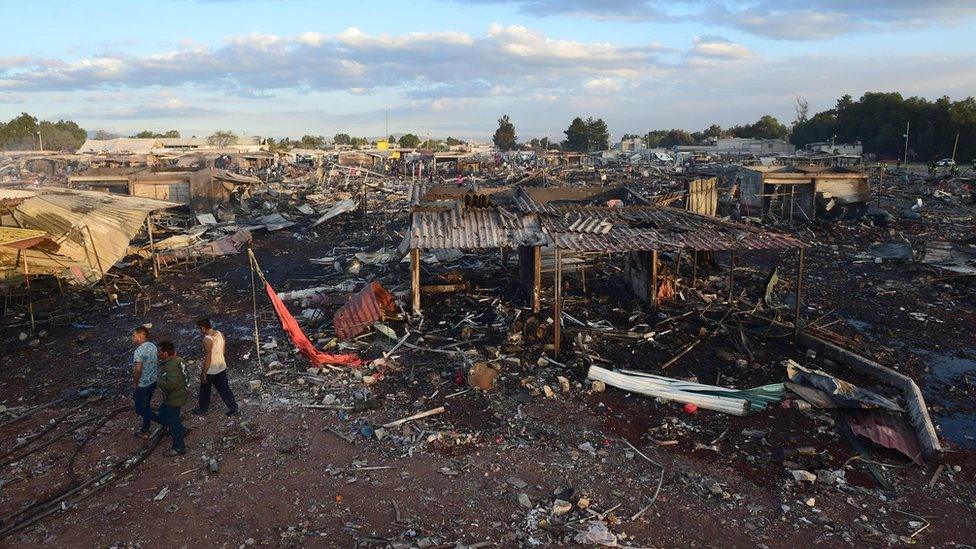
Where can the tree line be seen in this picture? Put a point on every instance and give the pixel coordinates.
(880, 120)
(26, 132)
(581, 136)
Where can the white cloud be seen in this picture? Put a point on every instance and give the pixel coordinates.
(716, 47)
(776, 19)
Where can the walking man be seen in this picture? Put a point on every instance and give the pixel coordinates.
(145, 370)
(214, 370)
(172, 382)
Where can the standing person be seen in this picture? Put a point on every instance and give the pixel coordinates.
(145, 369)
(172, 382)
(214, 370)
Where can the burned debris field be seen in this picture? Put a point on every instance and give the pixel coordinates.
(519, 351)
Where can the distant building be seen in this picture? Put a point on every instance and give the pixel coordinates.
(203, 190)
(633, 144)
(851, 149)
(740, 146)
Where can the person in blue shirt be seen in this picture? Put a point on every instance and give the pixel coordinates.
(145, 370)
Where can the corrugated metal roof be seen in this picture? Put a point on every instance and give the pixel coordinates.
(456, 227)
(92, 228)
(20, 238)
(551, 216)
(632, 228)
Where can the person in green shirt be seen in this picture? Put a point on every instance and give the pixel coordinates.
(172, 382)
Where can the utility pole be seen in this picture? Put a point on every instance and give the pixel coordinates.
(907, 126)
(40, 143)
(956, 144)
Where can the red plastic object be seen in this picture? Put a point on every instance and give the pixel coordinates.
(690, 408)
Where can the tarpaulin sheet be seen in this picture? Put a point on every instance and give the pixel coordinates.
(301, 341)
(364, 308)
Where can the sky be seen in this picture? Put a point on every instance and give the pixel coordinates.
(293, 67)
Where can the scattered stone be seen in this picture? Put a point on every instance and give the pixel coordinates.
(517, 482)
(827, 476)
(547, 391)
(561, 507)
(598, 386)
(212, 465)
(714, 487)
(563, 384)
(255, 385)
(803, 476)
(583, 503)
(810, 502)
(524, 501)
(23, 336)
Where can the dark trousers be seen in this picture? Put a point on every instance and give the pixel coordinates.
(169, 417)
(219, 382)
(142, 397)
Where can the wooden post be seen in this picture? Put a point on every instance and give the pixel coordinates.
(799, 290)
(536, 279)
(731, 271)
(415, 279)
(254, 304)
(557, 307)
(792, 200)
(30, 297)
(653, 295)
(152, 247)
(694, 268)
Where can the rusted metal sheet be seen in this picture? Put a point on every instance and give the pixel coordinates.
(888, 430)
(369, 305)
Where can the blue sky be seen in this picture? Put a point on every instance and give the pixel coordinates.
(285, 68)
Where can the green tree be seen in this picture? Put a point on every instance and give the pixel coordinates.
(505, 138)
(222, 138)
(451, 142)
(597, 135)
(311, 142)
(342, 139)
(63, 135)
(409, 141)
(359, 142)
(676, 137)
(767, 127)
(577, 136)
(20, 133)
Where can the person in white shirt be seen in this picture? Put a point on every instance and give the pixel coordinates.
(214, 370)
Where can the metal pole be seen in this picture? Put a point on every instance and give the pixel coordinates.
(954, 146)
(30, 297)
(557, 308)
(152, 247)
(799, 290)
(907, 127)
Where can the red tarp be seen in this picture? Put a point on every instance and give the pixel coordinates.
(364, 308)
(298, 337)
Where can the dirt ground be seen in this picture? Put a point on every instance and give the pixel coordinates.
(289, 475)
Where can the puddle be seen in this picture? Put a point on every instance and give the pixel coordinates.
(958, 421)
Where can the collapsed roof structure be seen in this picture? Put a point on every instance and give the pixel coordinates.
(91, 229)
(574, 220)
